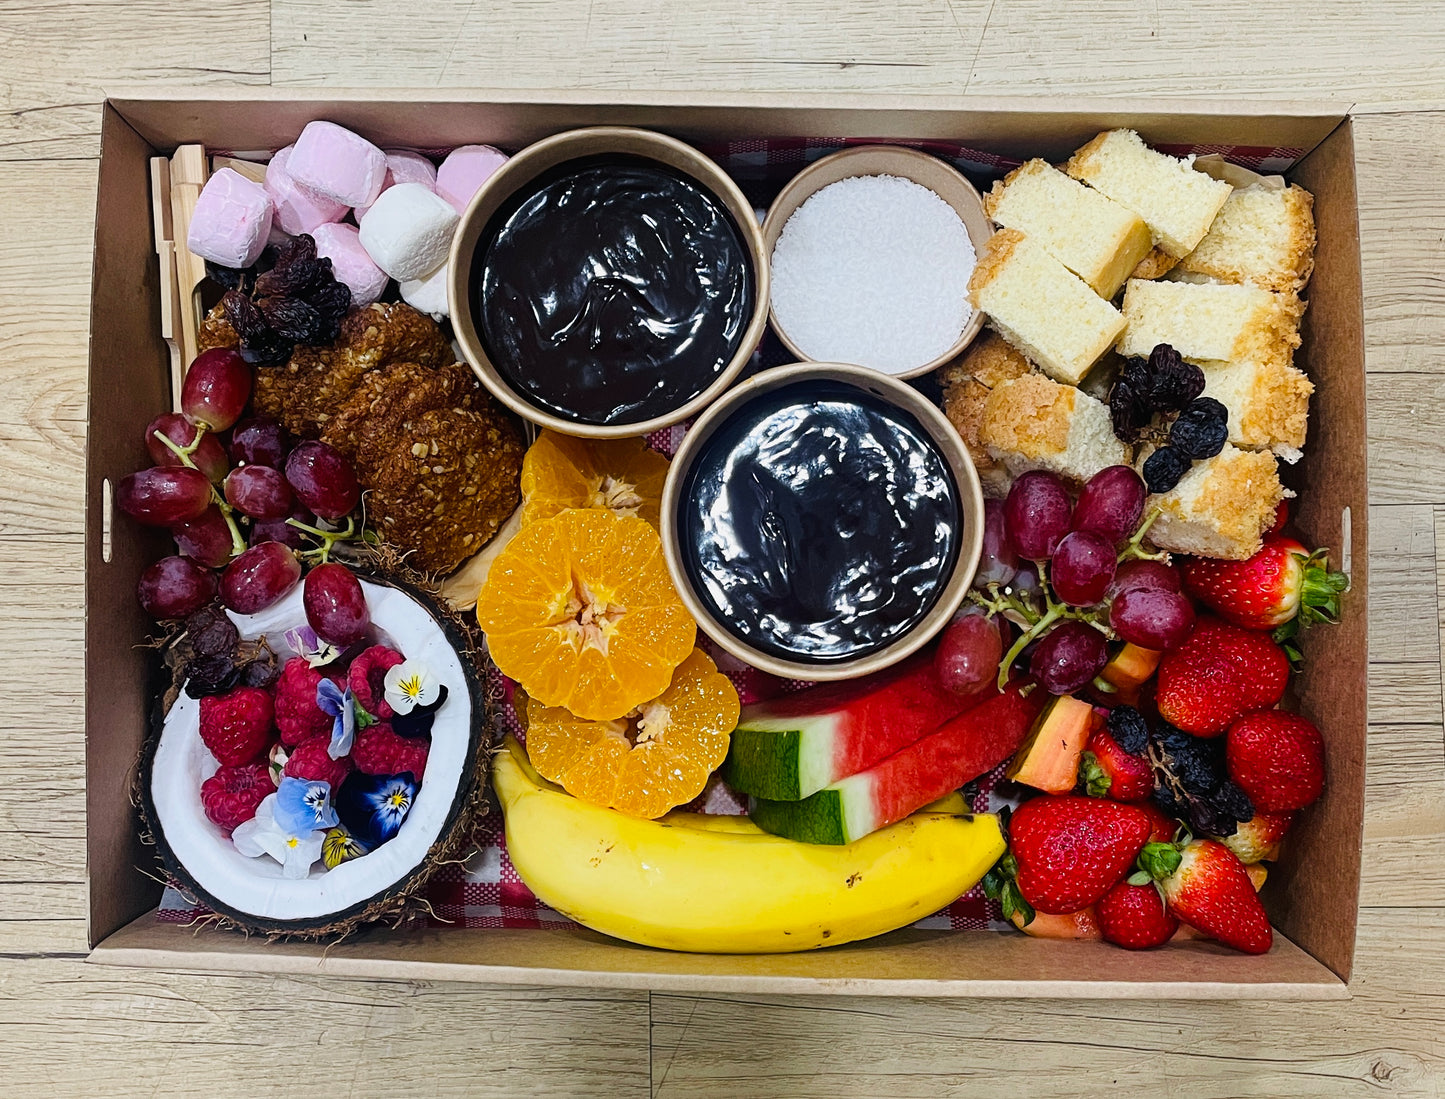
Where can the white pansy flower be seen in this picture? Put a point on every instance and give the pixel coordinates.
(410, 684)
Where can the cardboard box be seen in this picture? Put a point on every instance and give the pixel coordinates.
(1311, 895)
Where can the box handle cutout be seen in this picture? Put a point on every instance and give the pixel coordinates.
(107, 501)
(1345, 541)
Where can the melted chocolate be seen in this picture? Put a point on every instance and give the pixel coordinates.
(612, 290)
(819, 522)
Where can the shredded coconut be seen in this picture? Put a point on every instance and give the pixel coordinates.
(873, 270)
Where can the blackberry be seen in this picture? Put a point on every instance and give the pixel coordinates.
(1173, 383)
(1201, 429)
(1165, 468)
(1129, 729)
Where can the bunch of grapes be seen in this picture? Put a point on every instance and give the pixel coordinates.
(1073, 574)
(244, 512)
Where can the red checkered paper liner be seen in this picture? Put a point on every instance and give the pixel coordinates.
(485, 891)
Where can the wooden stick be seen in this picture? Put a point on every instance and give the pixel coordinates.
(166, 259)
(188, 175)
(256, 173)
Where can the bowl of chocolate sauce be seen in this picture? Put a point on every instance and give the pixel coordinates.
(608, 282)
(822, 521)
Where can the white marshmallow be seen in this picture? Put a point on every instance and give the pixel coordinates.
(408, 231)
(350, 263)
(232, 220)
(428, 294)
(336, 163)
(298, 209)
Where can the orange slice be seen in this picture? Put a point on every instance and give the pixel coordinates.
(579, 609)
(650, 761)
(621, 475)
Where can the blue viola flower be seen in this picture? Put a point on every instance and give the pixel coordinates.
(304, 805)
(341, 705)
(373, 807)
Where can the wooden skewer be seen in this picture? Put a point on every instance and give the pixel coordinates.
(166, 256)
(188, 175)
(256, 173)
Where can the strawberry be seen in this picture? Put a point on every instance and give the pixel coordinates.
(1258, 838)
(1106, 770)
(1277, 758)
(1206, 886)
(1220, 673)
(1070, 850)
(1281, 517)
(1282, 583)
(236, 726)
(1163, 827)
(1134, 916)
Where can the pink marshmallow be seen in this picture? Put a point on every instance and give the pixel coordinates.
(231, 221)
(298, 209)
(338, 164)
(404, 166)
(341, 244)
(464, 171)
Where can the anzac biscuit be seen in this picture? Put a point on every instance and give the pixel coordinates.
(385, 402)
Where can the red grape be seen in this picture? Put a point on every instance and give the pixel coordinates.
(1156, 575)
(998, 562)
(1036, 514)
(1082, 566)
(968, 653)
(258, 491)
(1152, 618)
(163, 496)
(259, 577)
(209, 456)
(216, 389)
(259, 441)
(335, 604)
(1025, 583)
(279, 530)
(206, 539)
(175, 587)
(1112, 502)
(1068, 657)
(324, 481)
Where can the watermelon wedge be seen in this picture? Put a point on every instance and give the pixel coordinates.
(970, 745)
(790, 747)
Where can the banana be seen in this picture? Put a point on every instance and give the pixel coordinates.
(721, 885)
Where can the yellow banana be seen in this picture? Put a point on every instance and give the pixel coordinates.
(721, 885)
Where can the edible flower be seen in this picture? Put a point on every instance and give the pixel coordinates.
(341, 705)
(262, 835)
(373, 807)
(340, 846)
(410, 684)
(304, 805)
(305, 644)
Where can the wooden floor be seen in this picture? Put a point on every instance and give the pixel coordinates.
(70, 1028)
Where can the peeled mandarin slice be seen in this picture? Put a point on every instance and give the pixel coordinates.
(621, 475)
(579, 609)
(657, 758)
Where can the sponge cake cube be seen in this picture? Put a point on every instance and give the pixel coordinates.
(1268, 405)
(1220, 508)
(1093, 236)
(988, 362)
(1264, 236)
(1033, 422)
(1177, 202)
(1211, 322)
(1041, 307)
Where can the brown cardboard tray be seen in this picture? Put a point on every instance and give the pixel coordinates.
(1311, 895)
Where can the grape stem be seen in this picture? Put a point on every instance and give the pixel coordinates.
(1133, 551)
(328, 538)
(238, 544)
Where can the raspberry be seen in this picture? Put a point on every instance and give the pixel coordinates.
(367, 679)
(231, 795)
(297, 715)
(310, 760)
(236, 726)
(379, 750)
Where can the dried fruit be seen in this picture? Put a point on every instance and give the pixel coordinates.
(1191, 782)
(1201, 429)
(1165, 468)
(1128, 409)
(298, 300)
(1173, 383)
(650, 761)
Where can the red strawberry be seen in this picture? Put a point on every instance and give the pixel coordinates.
(1221, 672)
(1281, 517)
(311, 760)
(1283, 580)
(1164, 827)
(297, 714)
(1134, 916)
(1258, 838)
(231, 795)
(1206, 886)
(1070, 850)
(236, 726)
(1277, 758)
(380, 750)
(1106, 770)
